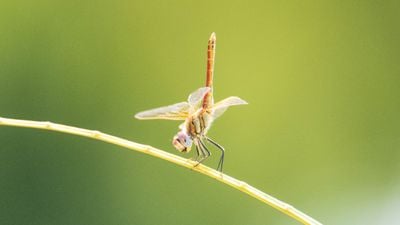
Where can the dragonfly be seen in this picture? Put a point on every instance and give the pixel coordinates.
(198, 113)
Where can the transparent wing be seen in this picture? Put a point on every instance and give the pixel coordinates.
(178, 111)
(198, 95)
(220, 107)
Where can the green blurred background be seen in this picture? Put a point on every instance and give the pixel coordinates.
(321, 131)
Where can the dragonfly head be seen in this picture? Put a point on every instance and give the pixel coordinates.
(182, 141)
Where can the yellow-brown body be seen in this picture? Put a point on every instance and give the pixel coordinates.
(198, 123)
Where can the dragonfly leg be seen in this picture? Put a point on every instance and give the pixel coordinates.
(208, 153)
(221, 160)
(197, 154)
(201, 153)
(205, 152)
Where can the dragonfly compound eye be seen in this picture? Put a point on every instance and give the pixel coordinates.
(182, 142)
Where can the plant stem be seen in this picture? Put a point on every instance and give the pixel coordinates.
(233, 182)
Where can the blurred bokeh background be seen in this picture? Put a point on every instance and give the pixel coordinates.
(321, 131)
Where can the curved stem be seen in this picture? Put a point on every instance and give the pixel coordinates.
(233, 182)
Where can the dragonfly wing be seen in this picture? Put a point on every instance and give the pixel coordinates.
(220, 107)
(178, 111)
(198, 95)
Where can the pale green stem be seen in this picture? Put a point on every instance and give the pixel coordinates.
(240, 185)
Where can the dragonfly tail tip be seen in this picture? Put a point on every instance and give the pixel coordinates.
(213, 36)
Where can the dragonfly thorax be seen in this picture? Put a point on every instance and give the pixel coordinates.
(198, 124)
(195, 126)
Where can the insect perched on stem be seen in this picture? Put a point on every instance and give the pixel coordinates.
(198, 113)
